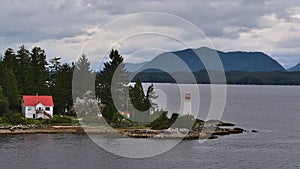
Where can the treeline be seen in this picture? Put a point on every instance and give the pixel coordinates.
(232, 77)
(112, 91)
(27, 72)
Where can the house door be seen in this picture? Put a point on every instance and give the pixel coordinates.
(33, 116)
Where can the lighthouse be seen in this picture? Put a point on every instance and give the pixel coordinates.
(187, 105)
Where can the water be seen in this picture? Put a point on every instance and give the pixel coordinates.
(272, 110)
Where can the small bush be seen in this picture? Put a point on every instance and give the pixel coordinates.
(162, 122)
(14, 118)
(61, 120)
(184, 121)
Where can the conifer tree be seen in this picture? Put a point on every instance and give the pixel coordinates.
(9, 87)
(83, 81)
(10, 60)
(105, 87)
(62, 89)
(142, 104)
(24, 74)
(39, 69)
(3, 103)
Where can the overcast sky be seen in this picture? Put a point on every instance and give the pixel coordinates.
(66, 28)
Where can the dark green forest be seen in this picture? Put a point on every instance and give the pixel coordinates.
(232, 77)
(26, 72)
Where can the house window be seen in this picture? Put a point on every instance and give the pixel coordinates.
(29, 109)
(47, 109)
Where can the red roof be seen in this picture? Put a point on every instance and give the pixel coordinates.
(34, 100)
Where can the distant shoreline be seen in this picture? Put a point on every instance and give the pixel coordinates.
(170, 83)
(229, 77)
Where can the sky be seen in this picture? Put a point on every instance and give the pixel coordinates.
(142, 29)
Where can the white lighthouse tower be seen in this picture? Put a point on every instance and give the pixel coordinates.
(187, 105)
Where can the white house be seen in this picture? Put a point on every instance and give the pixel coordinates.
(37, 107)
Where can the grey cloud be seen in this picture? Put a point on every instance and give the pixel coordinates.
(210, 16)
(35, 20)
(38, 20)
(288, 42)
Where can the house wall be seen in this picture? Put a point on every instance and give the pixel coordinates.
(49, 112)
(31, 110)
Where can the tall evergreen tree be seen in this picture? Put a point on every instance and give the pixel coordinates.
(62, 89)
(113, 80)
(114, 68)
(3, 103)
(142, 104)
(39, 69)
(137, 96)
(8, 84)
(24, 74)
(82, 77)
(10, 60)
(83, 64)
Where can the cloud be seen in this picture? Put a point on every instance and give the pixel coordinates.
(61, 26)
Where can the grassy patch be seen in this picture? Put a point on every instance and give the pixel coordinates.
(17, 118)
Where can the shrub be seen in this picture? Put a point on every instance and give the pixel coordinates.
(14, 118)
(184, 121)
(162, 122)
(60, 120)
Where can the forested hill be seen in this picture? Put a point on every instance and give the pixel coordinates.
(232, 77)
(295, 68)
(232, 61)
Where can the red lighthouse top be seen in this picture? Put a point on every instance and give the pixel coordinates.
(187, 96)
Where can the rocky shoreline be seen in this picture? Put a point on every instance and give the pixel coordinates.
(181, 134)
(33, 129)
(209, 130)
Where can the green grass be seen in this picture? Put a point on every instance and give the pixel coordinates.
(17, 118)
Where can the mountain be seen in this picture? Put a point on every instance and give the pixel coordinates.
(295, 68)
(232, 61)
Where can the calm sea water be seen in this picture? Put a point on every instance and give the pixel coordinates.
(272, 110)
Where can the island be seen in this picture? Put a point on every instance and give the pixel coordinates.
(185, 127)
(127, 109)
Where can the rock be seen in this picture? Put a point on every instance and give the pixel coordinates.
(236, 130)
(5, 127)
(226, 124)
(218, 123)
(198, 128)
(12, 128)
(221, 132)
(212, 137)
